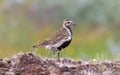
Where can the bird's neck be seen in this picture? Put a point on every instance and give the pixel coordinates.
(68, 28)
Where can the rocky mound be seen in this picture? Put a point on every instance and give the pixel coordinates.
(30, 64)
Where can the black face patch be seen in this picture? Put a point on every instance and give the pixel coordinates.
(65, 44)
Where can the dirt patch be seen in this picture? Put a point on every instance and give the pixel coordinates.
(30, 64)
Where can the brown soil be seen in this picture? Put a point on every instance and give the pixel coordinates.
(30, 64)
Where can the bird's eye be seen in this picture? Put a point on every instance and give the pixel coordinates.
(68, 22)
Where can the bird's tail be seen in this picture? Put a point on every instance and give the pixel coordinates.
(36, 46)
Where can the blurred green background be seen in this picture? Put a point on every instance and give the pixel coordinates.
(24, 23)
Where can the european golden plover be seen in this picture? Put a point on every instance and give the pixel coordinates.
(59, 39)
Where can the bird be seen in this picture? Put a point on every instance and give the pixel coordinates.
(59, 39)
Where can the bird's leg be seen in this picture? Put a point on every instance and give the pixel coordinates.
(54, 51)
(58, 54)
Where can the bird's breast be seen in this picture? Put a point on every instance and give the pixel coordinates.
(64, 44)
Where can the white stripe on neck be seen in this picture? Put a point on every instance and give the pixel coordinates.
(69, 32)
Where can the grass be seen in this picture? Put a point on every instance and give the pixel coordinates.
(86, 43)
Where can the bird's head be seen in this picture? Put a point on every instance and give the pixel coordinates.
(68, 23)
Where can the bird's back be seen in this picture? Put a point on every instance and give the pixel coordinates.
(58, 37)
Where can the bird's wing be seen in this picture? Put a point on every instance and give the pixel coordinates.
(56, 37)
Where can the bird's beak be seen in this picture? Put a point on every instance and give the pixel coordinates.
(74, 24)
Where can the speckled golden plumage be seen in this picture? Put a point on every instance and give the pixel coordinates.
(59, 39)
(56, 37)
